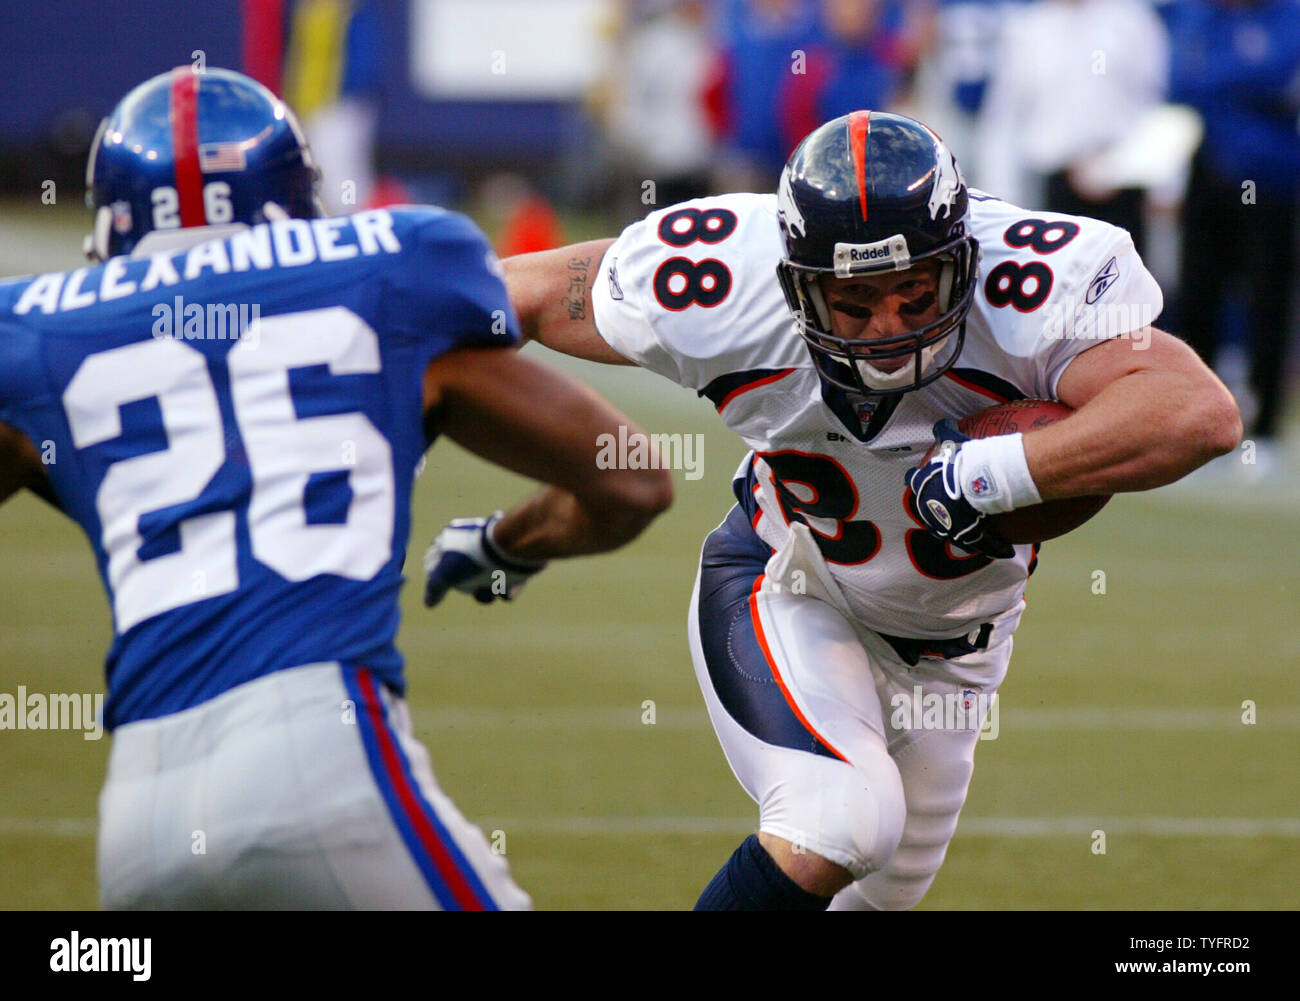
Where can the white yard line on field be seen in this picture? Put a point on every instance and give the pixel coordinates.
(990, 827)
(1012, 718)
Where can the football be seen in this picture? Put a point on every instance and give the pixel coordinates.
(1038, 522)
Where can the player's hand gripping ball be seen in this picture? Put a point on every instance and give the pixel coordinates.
(464, 557)
(936, 498)
(1029, 524)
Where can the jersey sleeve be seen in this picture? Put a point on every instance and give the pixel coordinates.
(619, 315)
(691, 292)
(1119, 299)
(452, 286)
(1099, 290)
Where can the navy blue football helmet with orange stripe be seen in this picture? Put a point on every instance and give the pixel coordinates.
(864, 194)
(196, 148)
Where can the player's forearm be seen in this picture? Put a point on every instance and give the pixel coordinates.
(1145, 430)
(554, 523)
(20, 466)
(551, 292)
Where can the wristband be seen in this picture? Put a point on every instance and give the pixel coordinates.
(994, 476)
(498, 555)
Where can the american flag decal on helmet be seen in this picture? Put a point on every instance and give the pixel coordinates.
(217, 157)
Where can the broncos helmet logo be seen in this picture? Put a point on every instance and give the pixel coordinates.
(787, 208)
(947, 182)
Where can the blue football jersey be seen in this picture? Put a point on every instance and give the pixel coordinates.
(236, 426)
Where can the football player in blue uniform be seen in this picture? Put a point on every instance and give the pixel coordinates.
(237, 398)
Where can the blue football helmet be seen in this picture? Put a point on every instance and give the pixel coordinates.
(190, 148)
(867, 193)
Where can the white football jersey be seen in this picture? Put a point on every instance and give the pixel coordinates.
(691, 292)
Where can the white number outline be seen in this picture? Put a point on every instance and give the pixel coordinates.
(283, 451)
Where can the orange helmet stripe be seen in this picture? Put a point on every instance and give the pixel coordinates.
(859, 127)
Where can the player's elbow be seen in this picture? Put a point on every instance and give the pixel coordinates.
(628, 502)
(645, 495)
(1216, 426)
(1207, 426)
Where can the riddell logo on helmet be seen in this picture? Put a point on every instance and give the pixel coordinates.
(855, 258)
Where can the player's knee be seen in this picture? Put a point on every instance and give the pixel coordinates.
(876, 810)
(850, 816)
(901, 885)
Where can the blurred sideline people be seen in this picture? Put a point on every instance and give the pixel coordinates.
(1238, 63)
(657, 119)
(953, 73)
(758, 39)
(332, 76)
(1070, 78)
(788, 65)
(860, 59)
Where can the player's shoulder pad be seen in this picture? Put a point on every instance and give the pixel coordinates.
(691, 291)
(451, 277)
(1046, 277)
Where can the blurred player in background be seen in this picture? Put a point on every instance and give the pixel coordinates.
(1069, 80)
(834, 586)
(1238, 63)
(234, 414)
(332, 79)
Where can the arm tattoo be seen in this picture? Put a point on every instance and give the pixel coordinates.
(576, 297)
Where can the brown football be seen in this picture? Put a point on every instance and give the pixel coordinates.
(1038, 522)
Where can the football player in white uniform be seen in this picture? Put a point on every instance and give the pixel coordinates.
(844, 578)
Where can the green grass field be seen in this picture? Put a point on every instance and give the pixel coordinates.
(1122, 712)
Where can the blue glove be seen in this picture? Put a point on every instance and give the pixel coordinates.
(463, 557)
(938, 502)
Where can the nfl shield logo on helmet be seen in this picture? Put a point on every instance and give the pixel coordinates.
(121, 217)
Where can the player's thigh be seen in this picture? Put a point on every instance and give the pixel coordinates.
(298, 790)
(791, 694)
(935, 722)
(474, 875)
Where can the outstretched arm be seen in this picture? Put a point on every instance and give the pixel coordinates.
(551, 292)
(532, 420)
